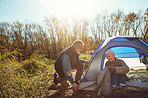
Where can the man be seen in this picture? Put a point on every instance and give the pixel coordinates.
(69, 60)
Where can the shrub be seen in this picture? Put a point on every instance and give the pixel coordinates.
(84, 56)
(16, 81)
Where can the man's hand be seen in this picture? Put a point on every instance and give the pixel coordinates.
(69, 73)
(75, 86)
(86, 62)
(111, 68)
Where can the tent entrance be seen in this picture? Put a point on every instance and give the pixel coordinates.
(128, 54)
(125, 52)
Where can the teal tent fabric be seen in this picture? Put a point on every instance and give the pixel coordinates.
(125, 52)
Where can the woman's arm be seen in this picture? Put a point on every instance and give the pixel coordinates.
(122, 68)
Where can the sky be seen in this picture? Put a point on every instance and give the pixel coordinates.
(37, 10)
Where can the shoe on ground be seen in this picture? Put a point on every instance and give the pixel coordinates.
(77, 82)
(123, 91)
(116, 92)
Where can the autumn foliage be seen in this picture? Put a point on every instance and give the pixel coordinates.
(27, 50)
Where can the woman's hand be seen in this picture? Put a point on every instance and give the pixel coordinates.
(111, 69)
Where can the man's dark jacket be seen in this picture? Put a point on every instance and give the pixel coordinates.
(74, 57)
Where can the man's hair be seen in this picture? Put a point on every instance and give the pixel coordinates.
(77, 43)
(109, 52)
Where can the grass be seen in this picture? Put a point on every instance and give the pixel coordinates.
(34, 76)
(30, 78)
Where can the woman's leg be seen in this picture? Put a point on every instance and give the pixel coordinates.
(114, 79)
(122, 79)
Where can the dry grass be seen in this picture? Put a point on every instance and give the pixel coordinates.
(34, 76)
(30, 78)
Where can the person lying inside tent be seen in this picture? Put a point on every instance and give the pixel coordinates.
(69, 60)
(118, 69)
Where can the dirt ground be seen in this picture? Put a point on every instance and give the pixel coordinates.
(133, 75)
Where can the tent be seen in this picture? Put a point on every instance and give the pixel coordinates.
(123, 46)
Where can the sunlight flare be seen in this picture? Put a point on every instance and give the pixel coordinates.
(72, 8)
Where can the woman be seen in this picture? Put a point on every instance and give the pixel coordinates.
(118, 69)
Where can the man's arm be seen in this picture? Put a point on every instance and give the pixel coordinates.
(67, 68)
(81, 61)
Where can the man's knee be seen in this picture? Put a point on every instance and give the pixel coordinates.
(64, 83)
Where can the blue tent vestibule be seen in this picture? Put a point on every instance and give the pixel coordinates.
(123, 46)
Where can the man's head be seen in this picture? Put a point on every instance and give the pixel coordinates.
(110, 55)
(78, 45)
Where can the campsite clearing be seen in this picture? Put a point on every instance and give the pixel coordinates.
(133, 75)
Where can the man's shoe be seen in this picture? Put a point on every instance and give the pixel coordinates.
(56, 78)
(77, 82)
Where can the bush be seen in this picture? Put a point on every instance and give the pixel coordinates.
(18, 81)
(85, 57)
